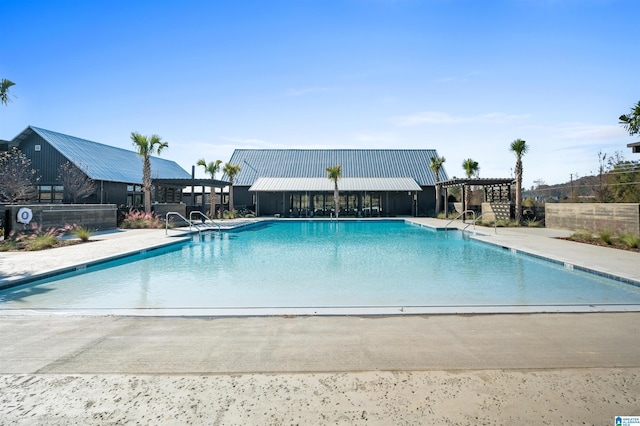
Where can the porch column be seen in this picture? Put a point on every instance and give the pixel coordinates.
(446, 202)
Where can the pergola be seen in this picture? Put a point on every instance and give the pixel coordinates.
(496, 190)
(635, 147)
(183, 183)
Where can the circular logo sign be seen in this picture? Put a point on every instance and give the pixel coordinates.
(24, 215)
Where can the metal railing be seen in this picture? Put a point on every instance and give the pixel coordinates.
(473, 221)
(190, 221)
(459, 216)
(166, 221)
(213, 222)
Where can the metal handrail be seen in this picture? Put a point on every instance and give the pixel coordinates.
(205, 217)
(166, 221)
(460, 215)
(473, 222)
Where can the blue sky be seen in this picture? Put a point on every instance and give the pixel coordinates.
(464, 77)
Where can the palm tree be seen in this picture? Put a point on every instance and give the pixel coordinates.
(211, 169)
(334, 174)
(631, 122)
(519, 148)
(231, 171)
(147, 146)
(4, 90)
(471, 169)
(435, 166)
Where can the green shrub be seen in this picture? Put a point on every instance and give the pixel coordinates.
(631, 240)
(8, 244)
(581, 235)
(37, 238)
(229, 214)
(533, 223)
(606, 236)
(41, 241)
(81, 232)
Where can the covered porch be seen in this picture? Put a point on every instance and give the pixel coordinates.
(170, 192)
(313, 197)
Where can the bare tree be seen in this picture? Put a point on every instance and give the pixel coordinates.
(17, 178)
(77, 185)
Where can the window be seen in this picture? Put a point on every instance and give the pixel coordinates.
(135, 196)
(50, 193)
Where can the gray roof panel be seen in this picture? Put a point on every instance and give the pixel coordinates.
(108, 163)
(312, 163)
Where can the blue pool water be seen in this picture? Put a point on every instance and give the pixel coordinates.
(323, 264)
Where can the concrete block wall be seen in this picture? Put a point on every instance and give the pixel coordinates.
(161, 210)
(593, 217)
(96, 217)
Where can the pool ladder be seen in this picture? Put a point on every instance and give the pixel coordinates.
(473, 221)
(199, 226)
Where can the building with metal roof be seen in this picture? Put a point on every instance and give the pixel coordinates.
(116, 172)
(374, 182)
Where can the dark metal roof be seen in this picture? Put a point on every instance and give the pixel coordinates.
(476, 181)
(355, 163)
(104, 162)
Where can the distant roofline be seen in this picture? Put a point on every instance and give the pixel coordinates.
(192, 182)
(335, 149)
(476, 181)
(635, 147)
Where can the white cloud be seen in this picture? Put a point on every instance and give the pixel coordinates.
(437, 117)
(584, 131)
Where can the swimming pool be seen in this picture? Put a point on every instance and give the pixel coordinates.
(323, 264)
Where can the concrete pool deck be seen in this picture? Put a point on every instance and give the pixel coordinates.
(416, 369)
